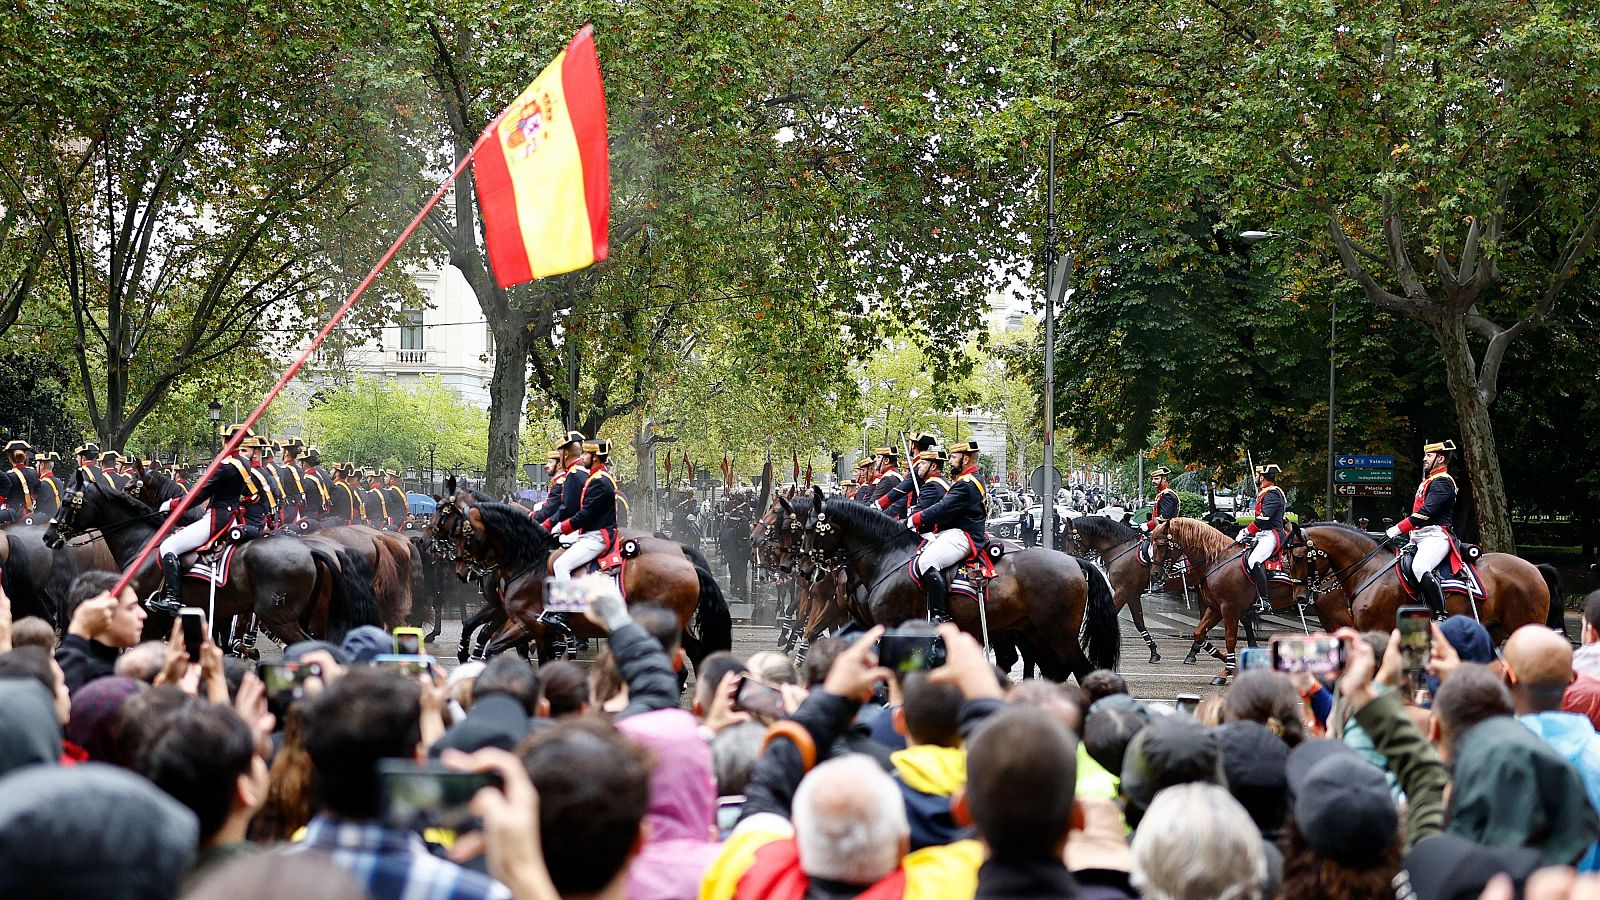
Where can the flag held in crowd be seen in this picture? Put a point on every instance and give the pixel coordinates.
(543, 172)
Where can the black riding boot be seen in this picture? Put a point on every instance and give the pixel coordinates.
(1433, 595)
(172, 579)
(938, 596)
(1263, 588)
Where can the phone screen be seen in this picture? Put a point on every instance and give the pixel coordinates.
(905, 653)
(410, 665)
(408, 641)
(1187, 703)
(286, 680)
(1415, 624)
(1254, 658)
(194, 630)
(564, 595)
(1311, 654)
(761, 699)
(418, 798)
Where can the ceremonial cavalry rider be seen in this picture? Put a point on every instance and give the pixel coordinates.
(861, 491)
(345, 500)
(589, 528)
(555, 476)
(1429, 524)
(394, 498)
(956, 523)
(319, 497)
(88, 457)
(1166, 504)
(573, 474)
(1267, 530)
(111, 474)
(372, 499)
(902, 498)
(261, 512)
(49, 487)
(228, 488)
(23, 493)
(888, 475)
(294, 483)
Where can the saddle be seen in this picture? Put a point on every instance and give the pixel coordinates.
(1455, 572)
(1277, 566)
(970, 576)
(213, 566)
(613, 558)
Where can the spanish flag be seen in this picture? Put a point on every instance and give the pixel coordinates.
(544, 177)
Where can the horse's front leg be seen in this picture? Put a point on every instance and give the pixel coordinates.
(1209, 617)
(1230, 630)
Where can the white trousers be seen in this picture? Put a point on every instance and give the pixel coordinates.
(946, 548)
(192, 536)
(1433, 545)
(580, 553)
(1266, 545)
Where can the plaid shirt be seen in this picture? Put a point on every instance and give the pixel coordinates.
(396, 865)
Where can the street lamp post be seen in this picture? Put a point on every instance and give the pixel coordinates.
(214, 413)
(1250, 239)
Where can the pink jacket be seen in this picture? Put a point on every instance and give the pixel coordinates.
(683, 806)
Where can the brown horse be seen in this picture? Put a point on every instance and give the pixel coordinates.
(1050, 597)
(280, 579)
(37, 577)
(1353, 567)
(1226, 590)
(663, 573)
(1117, 547)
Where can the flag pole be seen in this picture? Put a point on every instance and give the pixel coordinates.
(288, 375)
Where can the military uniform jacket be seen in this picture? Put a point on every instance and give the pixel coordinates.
(896, 495)
(395, 500)
(1270, 507)
(377, 507)
(263, 504)
(22, 489)
(546, 513)
(934, 487)
(571, 493)
(597, 503)
(961, 507)
(315, 486)
(49, 493)
(294, 490)
(227, 488)
(1434, 504)
(1167, 504)
(346, 502)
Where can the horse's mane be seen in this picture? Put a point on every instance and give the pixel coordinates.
(1352, 530)
(476, 495)
(1105, 527)
(1210, 541)
(525, 543)
(889, 532)
(162, 484)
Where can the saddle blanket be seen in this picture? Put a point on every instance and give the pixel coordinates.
(1463, 581)
(214, 568)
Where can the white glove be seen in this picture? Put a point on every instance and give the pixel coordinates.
(1243, 537)
(166, 505)
(910, 525)
(1394, 532)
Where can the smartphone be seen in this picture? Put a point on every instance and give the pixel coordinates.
(194, 630)
(411, 664)
(564, 595)
(761, 699)
(728, 809)
(408, 641)
(1254, 658)
(286, 680)
(421, 797)
(1187, 703)
(1314, 654)
(906, 653)
(1415, 624)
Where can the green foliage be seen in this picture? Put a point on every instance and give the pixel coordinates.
(378, 421)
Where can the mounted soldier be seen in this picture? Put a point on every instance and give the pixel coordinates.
(23, 493)
(956, 525)
(887, 461)
(1267, 530)
(395, 499)
(49, 488)
(858, 490)
(1428, 527)
(316, 485)
(267, 470)
(260, 513)
(372, 498)
(229, 489)
(573, 474)
(1166, 503)
(899, 500)
(555, 476)
(111, 473)
(294, 491)
(593, 525)
(345, 498)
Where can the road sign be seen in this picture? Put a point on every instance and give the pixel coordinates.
(1044, 481)
(1364, 476)
(1364, 490)
(1363, 462)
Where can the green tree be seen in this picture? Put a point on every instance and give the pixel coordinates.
(373, 420)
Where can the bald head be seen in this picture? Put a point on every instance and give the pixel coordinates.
(1539, 668)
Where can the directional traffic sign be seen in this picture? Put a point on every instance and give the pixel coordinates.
(1363, 462)
(1363, 476)
(1364, 490)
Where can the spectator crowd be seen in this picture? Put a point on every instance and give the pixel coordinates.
(131, 770)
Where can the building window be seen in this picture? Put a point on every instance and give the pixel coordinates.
(488, 340)
(411, 330)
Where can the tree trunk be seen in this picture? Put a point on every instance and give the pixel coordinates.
(1477, 435)
(507, 390)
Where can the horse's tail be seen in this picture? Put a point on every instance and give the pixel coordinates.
(1556, 618)
(353, 602)
(713, 624)
(388, 583)
(1100, 618)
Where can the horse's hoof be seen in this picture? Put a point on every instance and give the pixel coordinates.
(1219, 680)
(462, 655)
(1154, 656)
(1191, 660)
(254, 654)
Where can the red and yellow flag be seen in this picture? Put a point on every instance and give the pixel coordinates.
(543, 172)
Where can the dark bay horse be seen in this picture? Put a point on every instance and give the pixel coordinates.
(1049, 597)
(1117, 547)
(37, 577)
(283, 580)
(1350, 566)
(1227, 591)
(664, 573)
